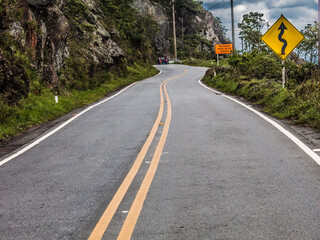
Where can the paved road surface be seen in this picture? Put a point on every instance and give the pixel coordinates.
(217, 171)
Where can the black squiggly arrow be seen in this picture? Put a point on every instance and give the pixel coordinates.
(282, 28)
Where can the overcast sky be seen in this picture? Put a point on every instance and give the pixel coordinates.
(298, 12)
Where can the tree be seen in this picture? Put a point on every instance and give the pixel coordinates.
(219, 23)
(309, 46)
(250, 31)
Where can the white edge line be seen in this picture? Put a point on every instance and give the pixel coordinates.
(304, 147)
(158, 73)
(31, 145)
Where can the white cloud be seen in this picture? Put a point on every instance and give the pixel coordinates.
(285, 3)
(304, 16)
(239, 11)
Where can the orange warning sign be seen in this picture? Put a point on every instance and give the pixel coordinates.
(223, 48)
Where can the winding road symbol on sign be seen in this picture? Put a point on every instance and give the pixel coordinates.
(285, 43)
(282, 37)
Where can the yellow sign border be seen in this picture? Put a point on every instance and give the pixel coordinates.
(292, 48)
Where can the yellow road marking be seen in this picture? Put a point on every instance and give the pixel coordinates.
(136, 207)
(108, 214)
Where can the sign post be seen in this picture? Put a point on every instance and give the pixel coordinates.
(282, 38)
(283, 74)
(222, 49)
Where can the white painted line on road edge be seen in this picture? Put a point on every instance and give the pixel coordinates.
(31, 145)
(158, 73)
(316, 150)
(304, 147)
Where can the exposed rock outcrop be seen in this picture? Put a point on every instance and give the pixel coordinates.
(51, 38)
(211, 29)
(45, 30)
(204, 25)
(158, 14)
(14, 83)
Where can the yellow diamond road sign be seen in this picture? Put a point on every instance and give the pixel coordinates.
(282, 37)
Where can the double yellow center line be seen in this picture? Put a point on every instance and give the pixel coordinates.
(134, 212)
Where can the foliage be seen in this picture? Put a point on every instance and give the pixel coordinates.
(81, 79)
(205, 63)
(78, 16)
(219, 24)
(136, 32)
(37, 109)
(16, 72)
(10, 10)
(257, 66)
(195, 46)
(250, 31)
(191, 6)
(257, 79)
(309, 46)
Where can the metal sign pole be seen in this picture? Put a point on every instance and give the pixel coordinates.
(283, 74)
(217, 60)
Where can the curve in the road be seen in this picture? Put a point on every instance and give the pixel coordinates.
(136, 207)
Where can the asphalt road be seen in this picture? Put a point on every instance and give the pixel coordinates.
(164, 159)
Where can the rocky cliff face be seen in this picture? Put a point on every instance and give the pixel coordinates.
(211, 29)
(44, 29)
(204, 24)
(158, 14)
(49, 42)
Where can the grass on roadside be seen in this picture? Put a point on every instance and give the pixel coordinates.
(300, 104)
(205, 63)
(38, 109)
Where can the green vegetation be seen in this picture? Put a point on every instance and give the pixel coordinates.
(191, 6)
(205, 63)
(41, 107)
(189, 42)
(16, 69)
(195, 46)
(27, 97)
(81, 75)
(136, 31)
(308, 49)
(256, 75)
(250, 32)
(257, 78)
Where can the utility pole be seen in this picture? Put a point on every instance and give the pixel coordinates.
(232, 22)
(182, 32)
(174, 31)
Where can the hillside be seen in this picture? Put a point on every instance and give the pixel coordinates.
(57, 47)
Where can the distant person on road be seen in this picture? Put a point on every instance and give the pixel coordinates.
(159, 61)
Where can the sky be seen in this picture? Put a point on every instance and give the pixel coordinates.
(298, 12)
